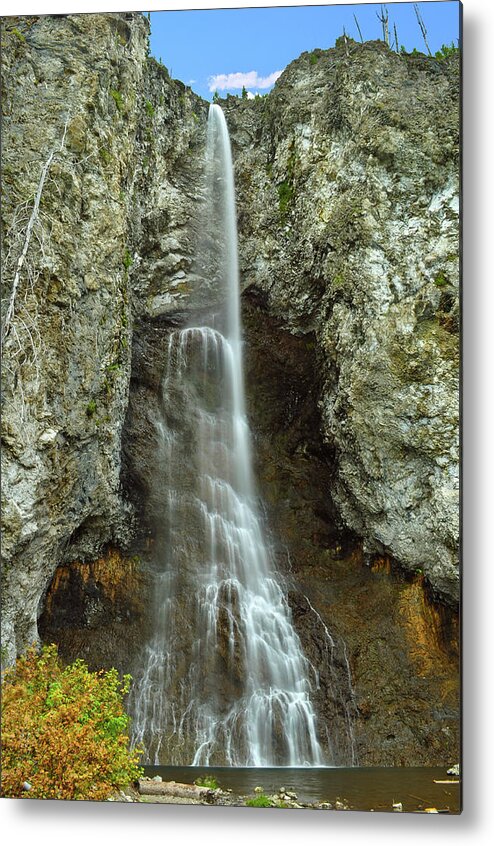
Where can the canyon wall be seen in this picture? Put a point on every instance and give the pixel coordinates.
(348, 196)
(347, 200)
(106, 139)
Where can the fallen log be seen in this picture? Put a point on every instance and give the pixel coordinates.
(148, 787)
(446, 781)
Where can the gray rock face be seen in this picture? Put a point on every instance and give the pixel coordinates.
(103, 136)
(347, 177)
(347, 205)
(68, 84)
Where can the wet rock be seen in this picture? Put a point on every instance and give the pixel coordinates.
(95, 611)
(378, 643)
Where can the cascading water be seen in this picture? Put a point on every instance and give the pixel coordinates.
(224, 680)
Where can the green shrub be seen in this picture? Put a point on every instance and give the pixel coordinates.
(91, 408)
(285, 195)
(413, 52)
(446, 51)
(149, 108)
(18, 34)
(64, 730)
(441, 280)
(260, 801)
(207, 781)
(104, 155)
(118, 99)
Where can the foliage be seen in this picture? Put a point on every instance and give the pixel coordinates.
(64, 730)
(263, 801)
(286, 189)
(18, 34)
(414, 52)
(285, 194)
(446, 51)
(244, 93)
(441, 280)
(105, 155)
(341, 41)
(127, 260)
(313, 58)
(216, 97)
(149, 108)
(91, 408)
(338, 280)
(207, 781)
(260, 801)
(118, 99)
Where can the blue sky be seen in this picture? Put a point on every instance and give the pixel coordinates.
(222, 49)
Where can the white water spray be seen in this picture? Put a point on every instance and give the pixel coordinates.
(224, 679)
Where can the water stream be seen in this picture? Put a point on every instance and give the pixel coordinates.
(224, 680)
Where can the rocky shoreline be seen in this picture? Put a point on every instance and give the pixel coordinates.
(157, 791)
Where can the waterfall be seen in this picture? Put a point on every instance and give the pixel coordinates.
(224, 680)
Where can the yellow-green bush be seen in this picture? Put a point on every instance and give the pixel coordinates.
(64, 729)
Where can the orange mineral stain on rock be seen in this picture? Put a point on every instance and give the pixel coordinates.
(381, 564)
(432, 635)
(116, 575)
(95, 611)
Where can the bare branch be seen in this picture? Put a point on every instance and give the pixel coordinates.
(397, 46)
(358, 28)
(384, 18)
(345, 39)
(422, 27)
(29, 230)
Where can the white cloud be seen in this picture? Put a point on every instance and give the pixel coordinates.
(251, 79)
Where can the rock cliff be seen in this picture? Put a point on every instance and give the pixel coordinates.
(347, 198)
(98, 170)
(347, 177)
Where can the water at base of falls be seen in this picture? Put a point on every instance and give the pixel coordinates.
(224, 680)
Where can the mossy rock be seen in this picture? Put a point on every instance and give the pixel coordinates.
(346, 226)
